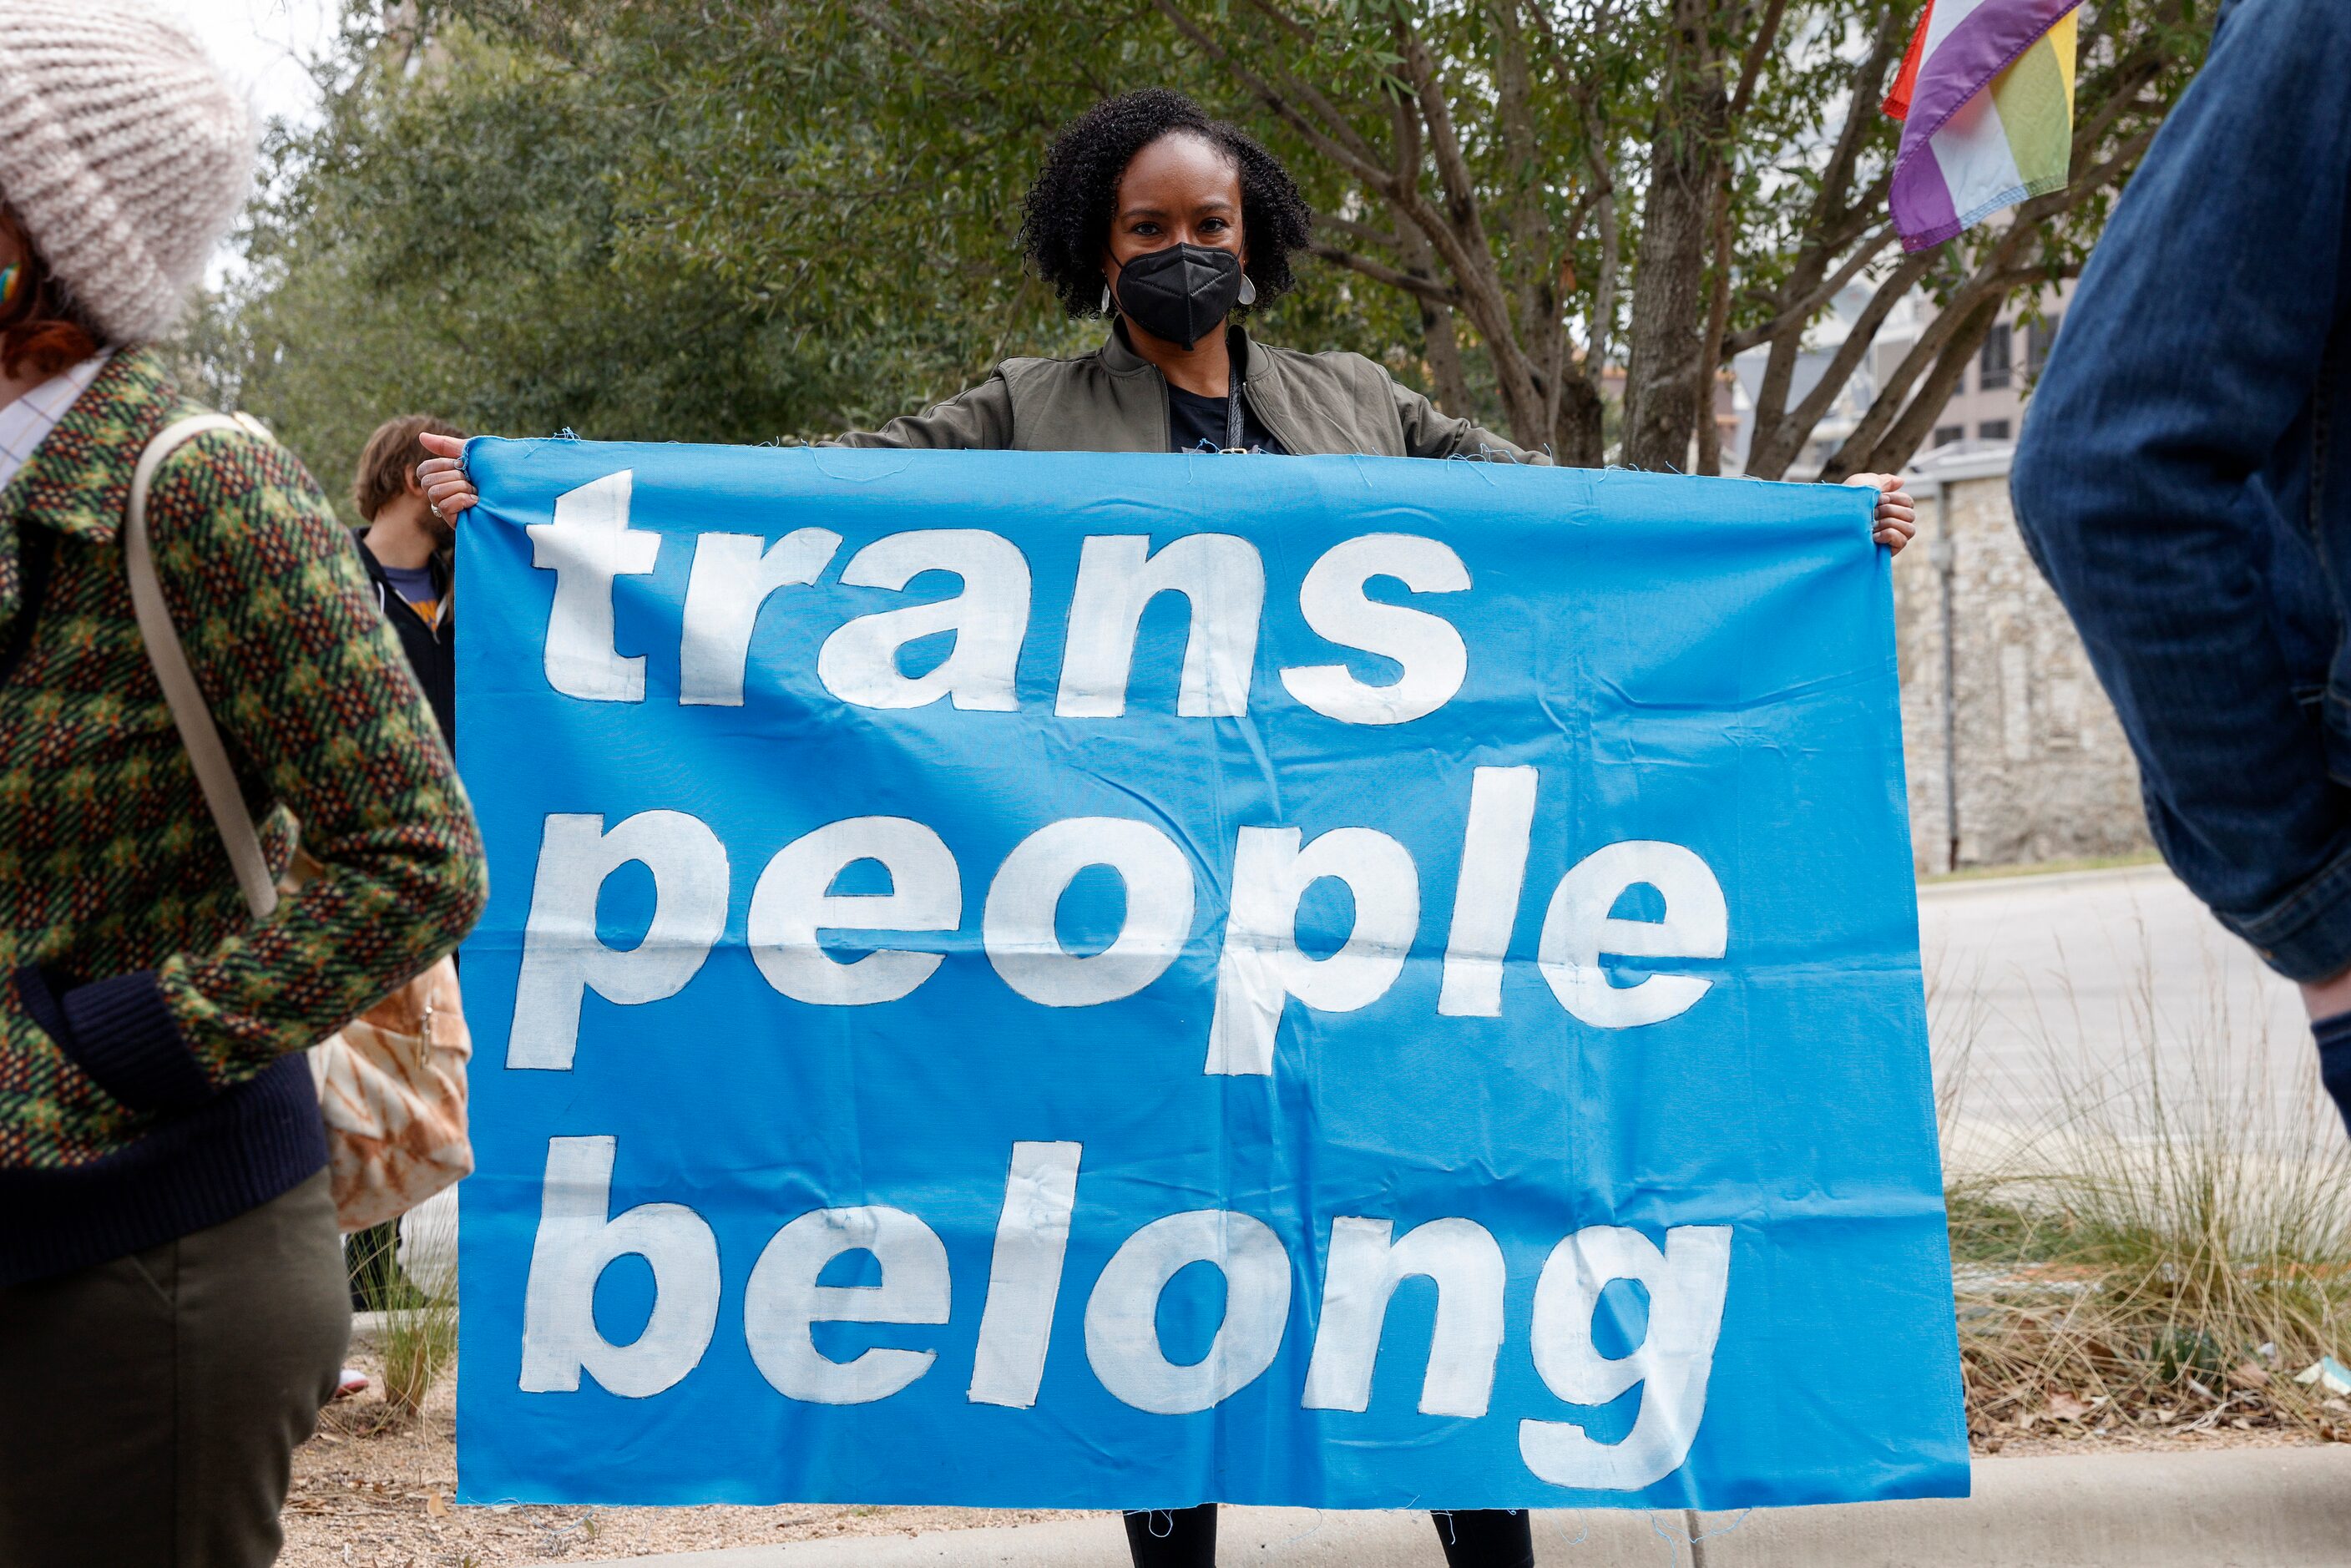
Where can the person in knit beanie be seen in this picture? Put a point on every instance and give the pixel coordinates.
(122, 153)
(172, 1299)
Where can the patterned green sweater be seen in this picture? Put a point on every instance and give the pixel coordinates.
(151, 1076)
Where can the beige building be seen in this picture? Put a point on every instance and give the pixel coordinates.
(1987, 408)
(2014, 753)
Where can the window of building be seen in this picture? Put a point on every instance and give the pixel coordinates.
(1947, 434)
(1995, 362)
(1992, 430)
(2039, 339)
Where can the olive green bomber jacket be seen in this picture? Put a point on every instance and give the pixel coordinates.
(1114, 400)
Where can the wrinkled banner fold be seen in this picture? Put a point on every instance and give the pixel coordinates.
(1042, 979)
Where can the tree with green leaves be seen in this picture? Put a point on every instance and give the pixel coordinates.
(760, 217)
(447, 240)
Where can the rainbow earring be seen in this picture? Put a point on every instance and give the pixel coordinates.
(7, 282)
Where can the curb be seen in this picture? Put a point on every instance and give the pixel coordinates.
(2240, 1507)
(367, 1331)
(2044, 881)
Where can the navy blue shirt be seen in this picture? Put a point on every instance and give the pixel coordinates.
(1194, 421)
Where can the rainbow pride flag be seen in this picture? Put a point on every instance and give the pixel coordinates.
(1986, 101)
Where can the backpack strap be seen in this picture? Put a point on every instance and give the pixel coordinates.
(215, 775)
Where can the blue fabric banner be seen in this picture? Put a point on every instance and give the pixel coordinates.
(1117, 981)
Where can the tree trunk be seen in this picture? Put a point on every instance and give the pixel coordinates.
(1662, 372)
(1578, 440)
(1439, 342)
(1443, 350)
(1718, 321)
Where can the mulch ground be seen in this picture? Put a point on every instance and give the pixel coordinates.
(371, 1492)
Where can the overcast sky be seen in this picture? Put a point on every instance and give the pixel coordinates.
(263, 46)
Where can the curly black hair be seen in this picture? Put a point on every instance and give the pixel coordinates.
(1065, 222)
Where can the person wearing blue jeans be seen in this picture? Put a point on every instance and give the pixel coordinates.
(2182, 482)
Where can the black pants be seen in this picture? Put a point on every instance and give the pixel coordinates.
(1472, 1538)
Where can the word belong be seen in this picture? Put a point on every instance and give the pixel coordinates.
(1685, 1281)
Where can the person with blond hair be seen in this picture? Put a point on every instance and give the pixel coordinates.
(173, 1298)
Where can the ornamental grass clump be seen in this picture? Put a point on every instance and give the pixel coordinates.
(417, 1335)
(2154, 1242)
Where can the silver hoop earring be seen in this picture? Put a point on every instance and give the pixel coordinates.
(1107, 307)
(1248, 289)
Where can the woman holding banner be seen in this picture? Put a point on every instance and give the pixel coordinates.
(1150, 212)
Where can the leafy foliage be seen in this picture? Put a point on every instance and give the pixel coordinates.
(751, 219)
(451, 240)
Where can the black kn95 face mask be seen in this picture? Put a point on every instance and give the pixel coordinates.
(1180, 293)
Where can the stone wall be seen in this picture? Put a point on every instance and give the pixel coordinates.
(2026, 736)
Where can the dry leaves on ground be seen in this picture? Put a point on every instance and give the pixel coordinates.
(371, 1492)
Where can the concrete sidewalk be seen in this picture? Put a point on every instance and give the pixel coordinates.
(2242, 1508)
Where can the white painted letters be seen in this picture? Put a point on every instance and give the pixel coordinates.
(1578, 930)
(1024, 1277)
(574, 1243)
(588, 545)
(1486, 895)
(859, 663)
(791, 905)
(1018, 930)
(1685, 1283)
(563, 958)
(1222, 578)
(1363, 1271)
(732, 578)
(1435, 660)
(783, 1299)
(1123, 1314)
(1262, 965)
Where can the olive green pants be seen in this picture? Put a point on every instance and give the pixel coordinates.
(150, 1407)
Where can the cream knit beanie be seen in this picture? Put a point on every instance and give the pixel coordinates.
(123, 151)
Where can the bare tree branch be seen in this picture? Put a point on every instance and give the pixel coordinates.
(1526, 210)
(1417, 285)
(1331, 134)
(1798, 316)
(1991, 281)
(1869, 86)
(1452, 167)
(1463, 244)
(1788, 439)
(1758, 49)
(1439, 339)
(1910, 428)
(1367, 233)
(1718, 313)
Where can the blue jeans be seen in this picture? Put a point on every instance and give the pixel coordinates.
(2181, 479)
